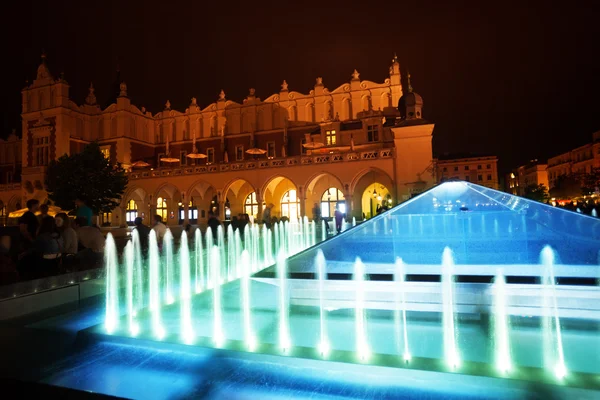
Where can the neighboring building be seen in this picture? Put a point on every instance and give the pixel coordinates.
(533, 173)
(580, 160)
(370, 150)
(480, 170)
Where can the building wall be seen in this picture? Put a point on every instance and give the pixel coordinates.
(480, 170)
(580, 160)
(398, 157)
(525, 175)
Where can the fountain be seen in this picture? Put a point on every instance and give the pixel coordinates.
(185, 291)
(323, 345)
(199, 279)
(138, 271)
(399, 277)
(131, 312)
(246, 305)
(353, 221)
(168, 264)
(323, 230)
(215, 263)
(501, 324)
(362, 345)
(232, 261)
(154, 293)
(284, 328)
(451, 354)
(553, 346)
(594, 213)
(112, 285)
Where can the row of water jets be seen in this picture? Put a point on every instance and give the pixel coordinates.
(212, 266)
(167, 278)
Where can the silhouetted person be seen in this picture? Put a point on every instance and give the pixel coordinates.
(83, 210)
(28, 224)
(47, 246)
(339, 218)
(143, 232)
(213, 224)
(316, 212)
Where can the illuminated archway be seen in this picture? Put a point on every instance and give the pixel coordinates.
(330, 199)
(275, 192)
(375, 198)
(236, 192)
(251, 205)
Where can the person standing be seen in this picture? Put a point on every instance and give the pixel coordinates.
(160, 228)
(316, 213)
(213, 223)
(143, 233)
(83, 210)
(69, 240)
(266, 215)
(28, 224)
(339, 218)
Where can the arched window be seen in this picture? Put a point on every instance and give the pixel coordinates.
(105, 218)
(131, 213)
(161, 208)
(330, 198)
(290, 205)
(251, 205)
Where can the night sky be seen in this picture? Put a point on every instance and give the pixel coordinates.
(520, 81)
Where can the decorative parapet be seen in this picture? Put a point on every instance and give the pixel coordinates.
(273, 163)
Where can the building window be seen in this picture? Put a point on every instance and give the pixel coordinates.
(131, 213)
(489, 177)
(373, 133)
(290, 205)
(251, 205)
(302, 148)
(271, 150)
(330, 138)
(183, 157)
(478, 166)
(210, 153)
(329, 200)
(105, 150)
(488, 166)
(40, 150)
(445, 169)
(161, 208)
(239, 153)
(479, 178)
(455, 169)
(105, 218)
(466, 167)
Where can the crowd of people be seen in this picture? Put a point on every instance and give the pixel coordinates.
(49, 245)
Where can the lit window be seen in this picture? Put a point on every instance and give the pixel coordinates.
(239, 153)
(105, 152)
(373, 133)
(105, 218)
(330, 138)
(251, 205)
(290, 205)
(271, 150)
(210, 153)
(131, 213)
(161, 208)
(330, 198)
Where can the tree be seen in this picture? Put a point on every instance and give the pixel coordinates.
(590, 182)
(87, 174)
(536, 192)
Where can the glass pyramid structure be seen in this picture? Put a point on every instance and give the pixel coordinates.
(481, 226)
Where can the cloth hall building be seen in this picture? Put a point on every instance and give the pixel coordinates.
(359, 145)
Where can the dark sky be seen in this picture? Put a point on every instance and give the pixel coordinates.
(517, 79)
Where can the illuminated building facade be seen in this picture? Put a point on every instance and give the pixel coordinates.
(533, 173)
(480, 170)
(579, 160)
(358, 145)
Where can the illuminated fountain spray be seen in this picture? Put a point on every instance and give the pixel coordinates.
(594, 213)
(450, 346)
(209, 268)
(168, 276)
(353, 221)
(223, 256)
(185, 291)
(323, 345)
(277, 238)
(284, 327)
(138, 272)
(215, 263)
(306, 242)
(199, 279)
(111, 320)
(553, 346)
(400, 314)
(130, 282)
(249, 336)
(255, 246)
(323, 230)
(578, 210)
(501, 325)
(362, 345)
(265, 245)
(238, 250)
(154, 287)
(232, 261)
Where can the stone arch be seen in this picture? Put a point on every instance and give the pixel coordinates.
(14, 203)
(201, 193)
(274, 189)
(310, 112)
(372, 179)
(346, 109)
(172, 196)
(318, 184)
(236, 192)
(386, 100)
